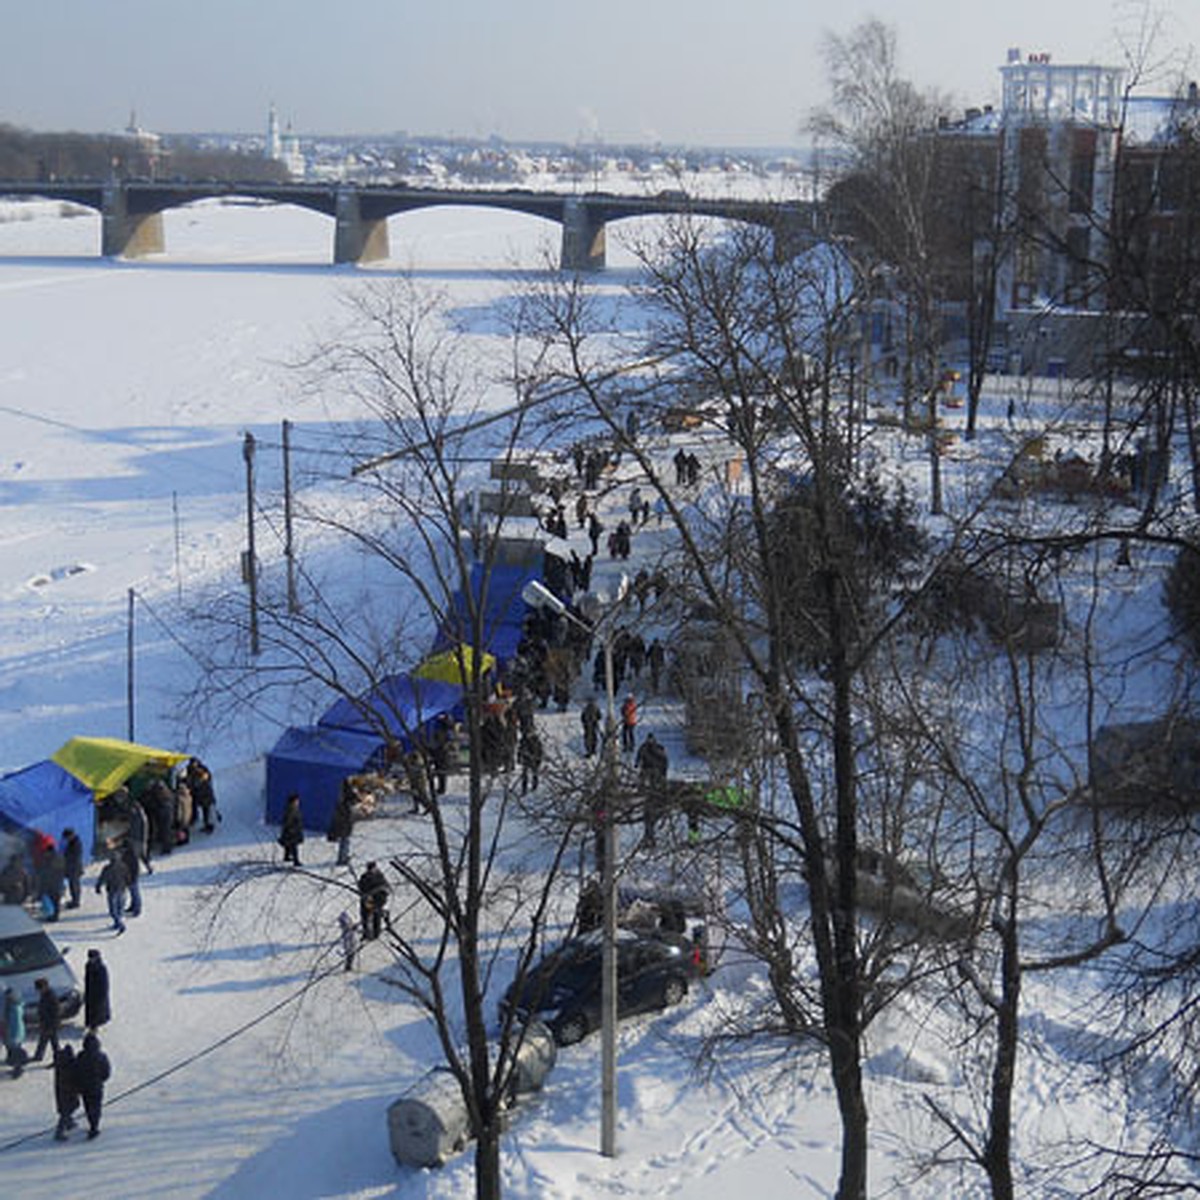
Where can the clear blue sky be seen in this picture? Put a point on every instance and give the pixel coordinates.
(738, 72)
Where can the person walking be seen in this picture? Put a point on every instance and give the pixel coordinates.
(529, 753)
(589, 718)
(92, 1071)
(139, 834)
(594, 530)
(73, 864)
(132, 872)
(114, 879)
(373, 892)
(349, 936)
(97, 1009)
(417, 777)
(15, 1054)
(49, 1018)
(291, 833)
(652, 765)
(66, 1092)
(439, 753)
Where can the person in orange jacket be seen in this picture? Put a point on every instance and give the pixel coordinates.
(629, 719)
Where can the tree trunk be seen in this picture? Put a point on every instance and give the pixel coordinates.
(487, 1162)
(997, 1155)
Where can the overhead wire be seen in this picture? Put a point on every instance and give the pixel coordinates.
(203, 1052)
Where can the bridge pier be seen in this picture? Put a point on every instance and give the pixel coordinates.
(583, 237)
(357, 239)
(124, 234)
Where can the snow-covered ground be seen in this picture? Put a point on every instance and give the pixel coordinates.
(125, 389)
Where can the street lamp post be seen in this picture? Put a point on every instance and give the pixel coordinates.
(537, 595)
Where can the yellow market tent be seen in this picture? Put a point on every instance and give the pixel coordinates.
(104, 764)
(449, 665)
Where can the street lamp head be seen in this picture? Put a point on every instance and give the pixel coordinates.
(537, 595)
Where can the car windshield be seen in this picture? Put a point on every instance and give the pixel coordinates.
(30, 952)
(573, 967)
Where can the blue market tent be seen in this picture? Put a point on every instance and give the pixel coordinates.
(47, 798)
(503, 611)
(312, 762)
(400, 705)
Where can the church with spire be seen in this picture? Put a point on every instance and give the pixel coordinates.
(284, 147)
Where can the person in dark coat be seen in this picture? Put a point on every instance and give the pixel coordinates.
(589, 718)
(341, 822)
(49, 1018)
(97, 1010)
(656, 658)
(51, 875)
(66, 1092)
(114, 879)
(204, 796)
(512, 724)
(160, 808)
(132, 871)
(589, 911)
(373, 892)
(417, 776)
(529, 754)
(92, 1070)
(595, 529)
(73, 862)
(652, 765)
(14, 881)
(491, 742)
(139, 833)
(439, 753)
(291, 833)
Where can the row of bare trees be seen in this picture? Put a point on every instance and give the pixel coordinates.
(909, 734)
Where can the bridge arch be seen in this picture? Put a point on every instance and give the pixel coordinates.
(132, 211)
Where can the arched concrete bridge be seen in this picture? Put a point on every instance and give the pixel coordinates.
(131, 212)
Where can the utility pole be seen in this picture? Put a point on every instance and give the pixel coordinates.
(250, 563)
(129, 667)
(604, 609)
(608, 947)
(178, 564)
(289, 551)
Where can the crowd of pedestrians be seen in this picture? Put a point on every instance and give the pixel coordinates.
(138, 820)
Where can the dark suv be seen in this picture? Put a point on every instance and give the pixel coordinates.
(563, 989)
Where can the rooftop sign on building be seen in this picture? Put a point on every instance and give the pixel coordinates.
(1037, 90)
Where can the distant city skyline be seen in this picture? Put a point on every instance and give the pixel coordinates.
(701, 72)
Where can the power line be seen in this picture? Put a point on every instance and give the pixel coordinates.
(175, 1068)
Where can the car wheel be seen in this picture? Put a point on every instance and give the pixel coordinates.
(674, 991)
(573, 1029)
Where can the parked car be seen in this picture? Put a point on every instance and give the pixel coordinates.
(908, 892)
(27, 953)
(563, 989)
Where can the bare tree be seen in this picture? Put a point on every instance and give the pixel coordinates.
(888, 200)
(468, 910)
(791, 560)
